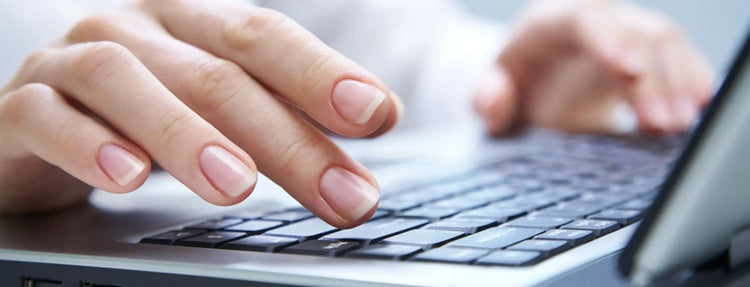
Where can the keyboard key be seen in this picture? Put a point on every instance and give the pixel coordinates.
(525, 203)
(396, 205)
(527, 184)
(421, 196)
(457, 203)
(255, 226)
(569, 210)
(510, 258)
(622, 216)
(170, 237)
(635, 204)
(213, 224)
(451, 255)
(386, 251)
(322, 248)
(491, 212)
(429, 213)
(494, 193)
(211, 240)
(599, 227)
(496, 237)
(574, 237)
(538, 222)
(304, 230)
(376, 230)
(546, 247)
(262, 243)
(601, 200)
(465, 225)
(378, 214)
(425, 238)
(249, 214)
(289, 216)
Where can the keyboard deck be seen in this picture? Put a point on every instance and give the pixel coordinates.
(516, 211)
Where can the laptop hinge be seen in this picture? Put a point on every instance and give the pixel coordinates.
(739, 249)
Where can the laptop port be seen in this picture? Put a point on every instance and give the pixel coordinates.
(33, 282)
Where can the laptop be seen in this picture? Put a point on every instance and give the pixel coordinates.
(457, 209)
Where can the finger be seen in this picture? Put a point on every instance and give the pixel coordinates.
(282, 55)
(608, 38)
(44, 124)
(106, 78)
(699, 74)
(393, 118)
(683, 99)
(650, 97)
(288, 150)
(496, 101)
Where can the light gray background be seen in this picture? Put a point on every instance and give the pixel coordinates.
(716, 27)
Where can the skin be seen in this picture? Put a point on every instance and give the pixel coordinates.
(569, 64)
(120, 79)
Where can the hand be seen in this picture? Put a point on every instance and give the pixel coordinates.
(595, 66)
(210, 91)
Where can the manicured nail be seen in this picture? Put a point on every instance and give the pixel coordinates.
(348, 194)
(623, 120)
(356, 101)
(225, 171)
(120, 165)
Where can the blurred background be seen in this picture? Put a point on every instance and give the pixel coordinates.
(715, 27)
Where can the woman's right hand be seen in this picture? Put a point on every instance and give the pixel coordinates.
(210, 91)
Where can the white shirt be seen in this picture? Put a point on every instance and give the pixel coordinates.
(430, 52)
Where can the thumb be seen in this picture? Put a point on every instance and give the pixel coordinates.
(496, 100)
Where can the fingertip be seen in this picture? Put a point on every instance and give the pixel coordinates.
(395, 114)
(125, 167)
(685, 112)
(496, 101)
(351, 196)
(623, 119)
(227, 173)
(361, 107)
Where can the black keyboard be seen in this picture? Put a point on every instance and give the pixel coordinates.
(517, 211)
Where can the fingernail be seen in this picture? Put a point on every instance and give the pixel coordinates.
(120, 165)
(356, 101)
(624, 120)
(348, 194)
(225, 171)
(685, 111)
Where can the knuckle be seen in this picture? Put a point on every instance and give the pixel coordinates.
(36, 58)
(310, 77)
(95, 27)
(173, 125)
(215, 83)
(302, 146)
(23, 101)
(67, 132)
(94, 62)
(253, 29)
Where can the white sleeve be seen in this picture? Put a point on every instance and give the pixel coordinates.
(431, 53)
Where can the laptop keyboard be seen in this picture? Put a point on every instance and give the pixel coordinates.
(516, 211)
